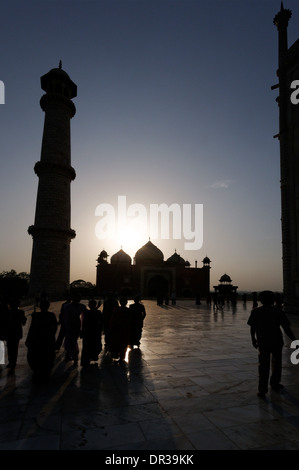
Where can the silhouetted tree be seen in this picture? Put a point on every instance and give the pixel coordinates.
(86, 289)
(13, 284)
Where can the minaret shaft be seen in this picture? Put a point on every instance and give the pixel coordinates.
(51, 232)
(288, 69)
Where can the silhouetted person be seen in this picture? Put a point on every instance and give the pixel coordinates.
(44, 296)
(3, 319)
(120, 330)
(91, 334)
(14, 331)
(61, 322)
(72, 317)
(138, 314)
(41, 342)
(109, 306)
(37, 298)
(265, 328)
(233, 299)
(215, 301)
(220, 301)
(159, 299)
(173, 298)
(278, 300)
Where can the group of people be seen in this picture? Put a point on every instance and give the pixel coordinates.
(121, 326)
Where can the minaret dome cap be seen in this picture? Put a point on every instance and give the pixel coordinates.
(58, 75)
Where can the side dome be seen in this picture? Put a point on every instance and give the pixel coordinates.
(149, 254)
(225, 278)
(102, 258)
(121, 258)
(176, 259)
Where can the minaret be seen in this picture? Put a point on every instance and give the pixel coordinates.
(288, 70)
(281, 21)
(51, 232)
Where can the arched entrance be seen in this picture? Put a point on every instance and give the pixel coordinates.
(157, 286)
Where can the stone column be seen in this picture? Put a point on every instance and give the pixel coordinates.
(51, 232)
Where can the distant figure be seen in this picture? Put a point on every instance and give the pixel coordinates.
(220, 301)
(73, 315)
(44, 296)
(41, 342)
(61, 322)
(265, 328)
(160, 298)
(215, 301)
(3, 319)
(14, 332)
(120, 324)
(109, 306)
(173, 298)
(91, 334)
(138, 314)
(233, 299)
(278, 300)
(244, 298)
(37, 298)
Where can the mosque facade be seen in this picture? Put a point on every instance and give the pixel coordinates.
(150, 276)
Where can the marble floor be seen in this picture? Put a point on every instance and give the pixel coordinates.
(192, 386)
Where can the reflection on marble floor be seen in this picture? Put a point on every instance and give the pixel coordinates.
(191, 386)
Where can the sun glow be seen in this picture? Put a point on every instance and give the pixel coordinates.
(130, 239)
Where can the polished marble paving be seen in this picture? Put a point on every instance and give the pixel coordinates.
(191, 386)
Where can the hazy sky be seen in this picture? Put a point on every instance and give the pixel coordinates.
(174, 106)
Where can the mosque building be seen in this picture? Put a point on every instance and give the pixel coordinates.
(150, 275)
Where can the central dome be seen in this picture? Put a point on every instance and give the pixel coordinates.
(149, 253)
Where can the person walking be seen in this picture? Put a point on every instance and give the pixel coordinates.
(109, 307)
(120, 325)
(61, 334)
(91, 334)
(265, 324)
(73, 314)
(14, 332)
(40, 342)
(138, 315)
